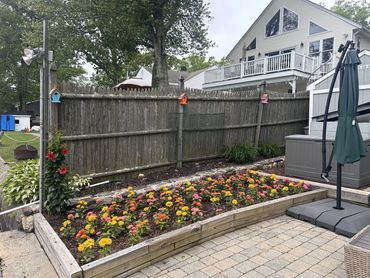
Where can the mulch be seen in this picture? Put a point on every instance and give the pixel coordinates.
(188, 169)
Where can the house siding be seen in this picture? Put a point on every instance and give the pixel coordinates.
(337, 28)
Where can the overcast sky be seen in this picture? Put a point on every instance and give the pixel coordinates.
(232, 18)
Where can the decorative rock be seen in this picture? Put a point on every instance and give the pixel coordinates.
(27, 223)
(28, 213)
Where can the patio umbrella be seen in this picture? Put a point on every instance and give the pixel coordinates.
(349, 146)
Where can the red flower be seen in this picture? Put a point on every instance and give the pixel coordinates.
(65, 151)
(51, 156)
(62, 170)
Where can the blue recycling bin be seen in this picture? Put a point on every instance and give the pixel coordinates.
(7, 123)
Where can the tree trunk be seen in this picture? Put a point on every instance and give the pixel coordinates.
(159, 74)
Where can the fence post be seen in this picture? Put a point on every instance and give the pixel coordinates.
(180, 127)
(53, 108)
(261, 88)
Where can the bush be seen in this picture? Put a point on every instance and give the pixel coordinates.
(268, 150)
(21, 185)
(241, 153)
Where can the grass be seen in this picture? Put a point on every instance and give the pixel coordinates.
(12, 139)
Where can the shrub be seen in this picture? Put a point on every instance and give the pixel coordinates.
(21, 185)
(241, 153)
(268, 150)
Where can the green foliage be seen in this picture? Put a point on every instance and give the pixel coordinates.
(268, 150)
(358, 11)
(241, 153)
(77, 183)
(199, 62)
(57, 175)
(21, 185)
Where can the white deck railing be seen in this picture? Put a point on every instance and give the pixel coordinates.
(282, 62)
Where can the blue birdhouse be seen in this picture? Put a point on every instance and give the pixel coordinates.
(55, 96)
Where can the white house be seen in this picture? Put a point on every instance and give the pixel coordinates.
(22, 122)
(292, 43)
(195, 79)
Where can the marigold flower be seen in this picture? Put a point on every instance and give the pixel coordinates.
(179, 213)
(105, 241)
(81, 248)
(285, 188)
(234, 202)
(169, 204)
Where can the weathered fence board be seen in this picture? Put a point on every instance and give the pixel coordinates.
(114, 132)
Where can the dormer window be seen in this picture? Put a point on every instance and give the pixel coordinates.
(316, 29)
(252, 45)
(289, 21)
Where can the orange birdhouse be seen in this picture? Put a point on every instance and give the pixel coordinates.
(183, 98)
(264, 98)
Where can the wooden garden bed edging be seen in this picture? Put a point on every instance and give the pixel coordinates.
(134, 258)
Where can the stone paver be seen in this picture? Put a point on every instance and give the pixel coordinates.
(278, 248)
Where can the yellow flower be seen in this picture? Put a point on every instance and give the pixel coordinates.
(92, 231)
(184, 213)
(81, 248)
(105, 241)
(169, 198)
(115, 218)
(130, 188)
(146, 209)
(104, 209)
(62, 229)
(291, 184)
(179, 213)
(262, 180)
(169, 204)
(105, 214)
(66, 223)
(285, 188)
(210, 179)
(88, 227)
(273, 177)
(252, 186)
(234, 202)
(228, 193)
(121, 223)
(187, 183)
(124, 212)
(185, 208)
(228, 181)
(91, 218)
(114, 222)
(301, 181)
(163, 188)
(273, 191)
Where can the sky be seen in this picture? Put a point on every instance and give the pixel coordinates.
(232, 18)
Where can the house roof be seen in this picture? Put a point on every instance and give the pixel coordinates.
(354, 24)
(173, 75)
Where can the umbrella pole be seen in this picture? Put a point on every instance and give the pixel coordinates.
(339, 186)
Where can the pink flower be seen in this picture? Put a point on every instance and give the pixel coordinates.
(306, 186)
(70, 216)
(51, 156)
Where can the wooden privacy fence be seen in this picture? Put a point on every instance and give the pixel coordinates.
(116, 132)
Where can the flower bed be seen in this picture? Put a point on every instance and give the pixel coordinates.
(96, 230)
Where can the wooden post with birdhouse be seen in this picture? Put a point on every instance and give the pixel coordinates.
(183, 101)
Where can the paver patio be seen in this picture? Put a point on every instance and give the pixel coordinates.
(280, 247)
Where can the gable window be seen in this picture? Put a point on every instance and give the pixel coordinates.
(272, 27)
(290, 21)
(315, 29)
(252, 45)
(283, 21)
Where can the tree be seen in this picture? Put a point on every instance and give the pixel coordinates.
(21, 27)
(358, 11)
(169, 27)
(198, 62)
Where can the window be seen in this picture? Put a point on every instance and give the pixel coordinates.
(287, 50)
(314, 49)
(251, 58)
(327, 49)
(275, 53)
(290, 21)
(322, 49)
(315, 29)
(252, 45)
(17, 122)
(272, 27)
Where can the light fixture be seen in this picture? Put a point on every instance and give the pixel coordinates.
(30, 54)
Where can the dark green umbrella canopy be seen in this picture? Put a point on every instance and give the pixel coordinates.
(349, 146)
